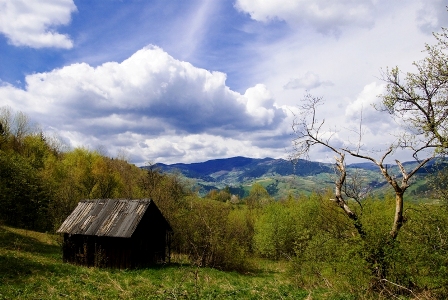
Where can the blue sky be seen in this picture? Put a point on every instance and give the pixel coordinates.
(188, 81)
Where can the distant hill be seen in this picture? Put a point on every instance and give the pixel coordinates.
(243, 168)
(281, 177)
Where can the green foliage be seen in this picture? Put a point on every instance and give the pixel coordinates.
(438, 181)
(241, 230)
(170, 195)
(258, 196)
(419, 98)
(424, 250)
(41, 184)
(276, 231)
(327, 248)
(330, 253)
(222, 195)
(23, 196)
(214, 236)
(272, 188)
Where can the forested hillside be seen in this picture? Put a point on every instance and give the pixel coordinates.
(41, 181)
(243, 168)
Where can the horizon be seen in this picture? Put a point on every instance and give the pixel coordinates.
(254, 158)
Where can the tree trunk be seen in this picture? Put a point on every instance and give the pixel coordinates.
(398, 219)
(339, 199)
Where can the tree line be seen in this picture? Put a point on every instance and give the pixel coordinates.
(41, 181)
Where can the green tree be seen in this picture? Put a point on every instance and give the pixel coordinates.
(23, 151)
(258, 196)
(80, 164)
(107, 179)
(420, 99)
(129, 177)
(219, 195)
(24, 197)
(438, 182)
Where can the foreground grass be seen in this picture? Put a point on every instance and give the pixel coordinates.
(31, 268)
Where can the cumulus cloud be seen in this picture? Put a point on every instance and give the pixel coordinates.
(309, 81)
(325, 16)
(363, 107)
(259, 104)
(150, 84)
(146, 97)
(32, 22)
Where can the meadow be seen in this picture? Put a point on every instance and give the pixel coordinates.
(31, 267)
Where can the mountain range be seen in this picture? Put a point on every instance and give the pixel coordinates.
(281, 177)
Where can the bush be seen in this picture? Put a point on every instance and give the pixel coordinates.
(213, 235)
(275, 231)
(330, 253)
(423, 248)
(328, 250)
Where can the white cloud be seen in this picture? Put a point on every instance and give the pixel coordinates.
(198, 23)
(152, 84)
(149, 101)
(349, 62)
(378, 129)
(309, 81)
(32, 22)
(156, 107)
(365, 103)
(259, 104)
(325, 16)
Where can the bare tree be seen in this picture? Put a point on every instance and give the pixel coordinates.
(356, 187)
(399, 187)
(21, 125)
(6, 119)
(309, 133)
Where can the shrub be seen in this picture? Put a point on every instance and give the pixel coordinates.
(275, 231)
(214, 236)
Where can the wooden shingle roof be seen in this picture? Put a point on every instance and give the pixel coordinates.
(106, 217)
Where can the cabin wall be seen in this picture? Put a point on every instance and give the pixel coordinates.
(146, 246)
(150, 236)
(93, 251)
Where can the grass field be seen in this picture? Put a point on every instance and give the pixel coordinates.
(31, 268)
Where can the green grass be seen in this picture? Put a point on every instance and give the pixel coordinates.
(31, 268)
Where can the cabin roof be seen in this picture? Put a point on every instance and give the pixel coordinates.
(106, 217)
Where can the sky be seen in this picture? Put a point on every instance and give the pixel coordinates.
(189, 81)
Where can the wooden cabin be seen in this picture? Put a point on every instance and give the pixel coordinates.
(116, 233)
